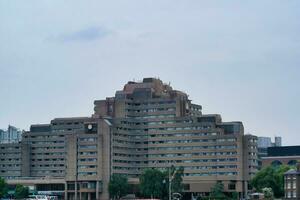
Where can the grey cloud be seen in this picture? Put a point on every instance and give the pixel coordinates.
(87, 34)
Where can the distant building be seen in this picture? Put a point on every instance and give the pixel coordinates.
(278, 142)
(2, 132)
(292, 184)
(288, 155)
(146, 125)
(11, 135)
(263, 143)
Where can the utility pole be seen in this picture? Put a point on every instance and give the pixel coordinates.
(170, 181)
(170, 184)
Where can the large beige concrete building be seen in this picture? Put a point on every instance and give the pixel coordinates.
(146, 125)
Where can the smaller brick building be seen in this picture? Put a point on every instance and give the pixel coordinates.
(292, 183)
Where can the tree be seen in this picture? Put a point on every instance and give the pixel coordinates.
(271, 177)
(21, 192)
(155, 183)
(234, 195)
(152, 182)
(217, 191)
(3, 187)
(268, 193)
(118, 186)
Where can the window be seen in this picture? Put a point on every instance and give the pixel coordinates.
(231, 186)
(71, 186)
(87, 146)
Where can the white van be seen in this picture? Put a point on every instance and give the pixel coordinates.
(37, 197)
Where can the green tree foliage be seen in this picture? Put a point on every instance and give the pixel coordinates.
(268, 193)
(118, 186)
(271, 177)
(3, 187)
(21, 192)
(151, 183)
(217, 191)
(234, 195)
(155, 183)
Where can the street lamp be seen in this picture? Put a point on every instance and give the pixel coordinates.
(170, 181)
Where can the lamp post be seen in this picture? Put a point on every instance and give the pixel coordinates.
(170, 181)
(170, 184)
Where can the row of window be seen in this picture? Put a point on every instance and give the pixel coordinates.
(131, 155)
(47, 148)
(177, 161)
(48, 142)
(151, 103)
(67, 123)
(151, 110)
(60, 130)
(51, 154)
(10, 165)
(175, 148)
(88, 153)
(191, 141)
(86, 166)
(48, 159)
(130, 148)
(196, 160)
(88, 159)
(212, 174)
(290, 177)
(87, 139)
(211, 167)
(252, 154)
(48, 165)
(189, 121)
(87, 146)
(10, 148)
(45, 172)
(45, 136)
(152, 116)
(87, 173)
(171, 155)
(182, 141)
(193, 147)
(10, 159)
(10, 154)
(165, 128)
(185, 168)
(164, 135)
(291, 185)
(11, 171)
(291, 194)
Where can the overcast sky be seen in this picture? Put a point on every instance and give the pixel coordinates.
(240, 59)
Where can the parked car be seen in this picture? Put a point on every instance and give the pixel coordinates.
(37, 197)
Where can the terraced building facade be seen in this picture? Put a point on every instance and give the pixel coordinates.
(146, 125)
(155, 126)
